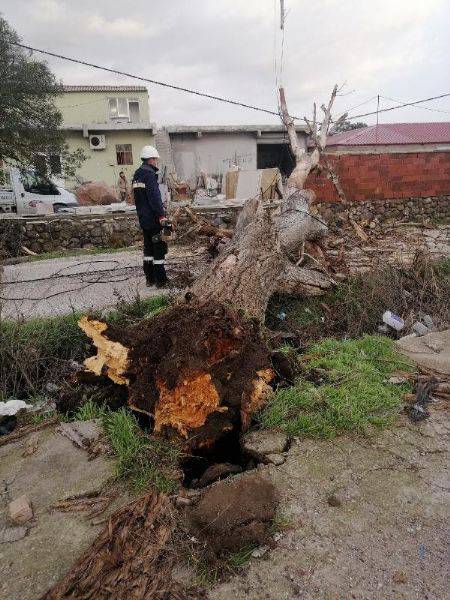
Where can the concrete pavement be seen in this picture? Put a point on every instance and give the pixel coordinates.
(58, 286)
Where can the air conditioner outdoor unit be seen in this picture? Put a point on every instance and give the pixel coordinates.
(97, 142)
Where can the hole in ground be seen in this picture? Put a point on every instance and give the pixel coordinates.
(226, 450)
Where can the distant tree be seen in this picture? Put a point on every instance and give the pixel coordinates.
(30, 123)
(347, 126)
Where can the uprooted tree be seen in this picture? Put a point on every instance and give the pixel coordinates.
(202, 368)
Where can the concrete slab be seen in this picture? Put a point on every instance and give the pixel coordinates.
(58, 469)
(59, 286)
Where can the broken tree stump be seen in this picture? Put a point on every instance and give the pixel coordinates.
(198, 370)
(202, 369)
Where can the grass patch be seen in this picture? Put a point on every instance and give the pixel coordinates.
(241, 557)
(35, 352)
(79, 252)
(144, 461)
(354, 397)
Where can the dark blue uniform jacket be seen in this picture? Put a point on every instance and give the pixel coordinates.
(147, 197)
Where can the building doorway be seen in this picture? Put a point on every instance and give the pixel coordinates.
(269, 156)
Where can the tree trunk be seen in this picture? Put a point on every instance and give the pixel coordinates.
(202, 368)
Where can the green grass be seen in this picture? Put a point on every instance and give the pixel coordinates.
(240, 557)
(443, 267)
(144, 461)
(89, 411)
(354, 396)
(35, 352)
(355, 306)
(79, 252)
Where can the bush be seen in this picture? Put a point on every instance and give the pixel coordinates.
(35, 352)
(355, 306)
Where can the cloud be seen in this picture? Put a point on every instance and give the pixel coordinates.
(396, 48)
(121, 27)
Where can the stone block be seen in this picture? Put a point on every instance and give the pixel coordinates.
(20, 510)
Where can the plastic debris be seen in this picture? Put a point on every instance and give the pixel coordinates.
(259, 552)
(12, 407)
(393, 320)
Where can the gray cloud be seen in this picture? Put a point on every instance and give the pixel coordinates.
(398, 49)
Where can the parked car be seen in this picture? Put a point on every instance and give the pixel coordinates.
(29, 193)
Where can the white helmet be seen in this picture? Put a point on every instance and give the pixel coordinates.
(149, 152)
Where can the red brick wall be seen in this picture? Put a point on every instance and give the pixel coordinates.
(384, 176)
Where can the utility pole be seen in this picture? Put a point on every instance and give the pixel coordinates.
(376, 128)
(282, 14)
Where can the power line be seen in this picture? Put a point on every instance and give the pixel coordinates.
(203, 94)
(447, 112)
(160, 83)
(399, 106)
(362, 104)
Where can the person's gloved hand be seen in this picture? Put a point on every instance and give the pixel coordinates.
(165, 223)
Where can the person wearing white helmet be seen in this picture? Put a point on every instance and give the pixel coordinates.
(151, 215)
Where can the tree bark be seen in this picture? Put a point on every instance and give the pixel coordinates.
(201, 370)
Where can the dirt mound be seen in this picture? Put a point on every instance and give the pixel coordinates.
(199, 370)
(131, 559)
(96, 193)
(235, 513)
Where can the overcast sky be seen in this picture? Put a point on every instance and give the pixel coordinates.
(396, 48)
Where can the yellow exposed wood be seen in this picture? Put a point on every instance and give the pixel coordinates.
(187, 405)
(111, 356)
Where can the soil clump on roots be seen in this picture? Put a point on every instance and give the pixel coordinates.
(199, 371)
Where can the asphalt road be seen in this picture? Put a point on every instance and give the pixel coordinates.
(59, 286)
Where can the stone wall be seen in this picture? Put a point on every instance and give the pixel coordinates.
(68, 232)
(374, 213)
(109, 231)
(384, 176)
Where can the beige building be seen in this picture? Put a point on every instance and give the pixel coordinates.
(111, 124)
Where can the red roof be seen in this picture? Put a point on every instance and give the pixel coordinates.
(393, 133)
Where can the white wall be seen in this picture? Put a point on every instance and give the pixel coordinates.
(213, 153)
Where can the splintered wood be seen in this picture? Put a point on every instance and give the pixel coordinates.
(189, 404)
(198, 370)
(111, 358)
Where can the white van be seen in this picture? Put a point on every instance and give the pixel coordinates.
(28, 193)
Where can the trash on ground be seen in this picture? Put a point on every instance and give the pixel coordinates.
(419, 411)
(12, 407)
(419, 328)
(393, 320)
(7, 425)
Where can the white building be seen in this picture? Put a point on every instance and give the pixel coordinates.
(189, 150)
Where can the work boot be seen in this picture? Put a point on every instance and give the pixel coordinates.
(162, 284)
(149, 272)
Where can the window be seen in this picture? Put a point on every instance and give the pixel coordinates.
(49, 164)
(124, 108)
(133, 105)
(124, 154)
(55, 164)
(38, 184)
